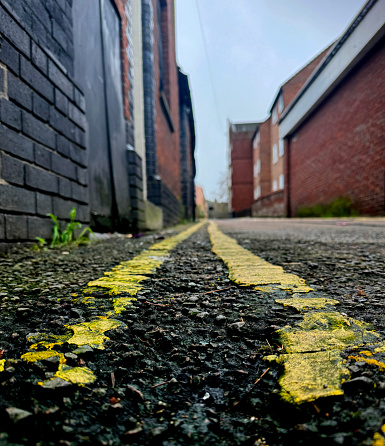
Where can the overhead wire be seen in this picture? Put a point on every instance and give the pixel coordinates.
(205, 46)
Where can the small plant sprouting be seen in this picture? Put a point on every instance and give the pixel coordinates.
(67, 236)
(41, 242)
(64, 237)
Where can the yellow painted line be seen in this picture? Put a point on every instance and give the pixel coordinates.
(127, 277)
(378, 438)
(124, 278)
(312, 360)
(248, 269)
(301, 303)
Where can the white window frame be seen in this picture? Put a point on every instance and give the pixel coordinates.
(275, 185)
(280, 103)
(275, 154)
(281, 147)
(257, 140)
(281, 181)
(274, 116)
(257, 192)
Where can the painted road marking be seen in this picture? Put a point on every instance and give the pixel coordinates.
(246, 269)
(312, 360)
(124, 278)
(128, 276)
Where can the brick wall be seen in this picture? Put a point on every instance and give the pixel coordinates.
(262, 151)
(241, 159)
(134, 160)
(339, 150)
(295, 83)
(161, 110)
(271, 205)
(42, 120)
(187, 147)
(167, 111)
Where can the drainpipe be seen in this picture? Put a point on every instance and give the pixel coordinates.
(287, 142)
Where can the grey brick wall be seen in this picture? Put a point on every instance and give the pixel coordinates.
(43, 159)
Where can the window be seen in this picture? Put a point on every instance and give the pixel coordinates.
(275, 186)
(163, 42)
(257, 192)
(281, 147)
(257, 140)
(257, 167)
(274, 116)
(280, 103)
(275, 154)
(281, 181)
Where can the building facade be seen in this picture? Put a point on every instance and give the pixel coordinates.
(334, 129)
(201, 209)
(271, 200)
(187, 148)
(161, 99)
(241, 187)
(42, 121)
(70, 133)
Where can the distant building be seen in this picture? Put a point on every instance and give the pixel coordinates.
(266, 202)
(218, 209)
(334, 128)
(201, 210)
(241, 190)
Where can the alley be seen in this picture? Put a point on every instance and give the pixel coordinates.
(241, 332)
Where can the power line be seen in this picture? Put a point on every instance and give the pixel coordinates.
(204, 40)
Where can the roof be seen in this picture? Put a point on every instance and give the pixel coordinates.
(245, 127)
(304, 67)
(362, 34)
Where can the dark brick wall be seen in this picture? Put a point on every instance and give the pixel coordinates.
(49, 22)
(339, 150)
(187, 148)
(42, 121)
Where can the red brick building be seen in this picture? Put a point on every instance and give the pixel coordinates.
(161, 109)
(270, 200)
(241, 188)
(334, 129)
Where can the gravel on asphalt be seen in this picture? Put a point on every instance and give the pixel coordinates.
(186, 367)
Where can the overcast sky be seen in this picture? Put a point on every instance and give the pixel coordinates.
(253, 47)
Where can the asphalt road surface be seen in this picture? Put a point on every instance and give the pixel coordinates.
(234, 332)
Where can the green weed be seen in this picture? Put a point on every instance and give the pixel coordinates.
(67, 236)
(340, 207)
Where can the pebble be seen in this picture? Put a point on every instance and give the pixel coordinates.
(56, 383)
(17, 414)
(220, 319)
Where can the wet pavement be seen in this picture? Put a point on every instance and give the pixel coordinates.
(243, 332)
